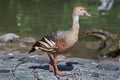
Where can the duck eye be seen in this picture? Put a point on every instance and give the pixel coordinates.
(81, 9)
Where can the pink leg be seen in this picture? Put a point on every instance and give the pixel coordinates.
(57, 72)
(53, 66)
(51, 63)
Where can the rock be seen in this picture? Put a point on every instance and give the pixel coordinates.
(31, 68)
(109, 65)
(27, 40)
(9, 37)
(61, 57)
(11, 42)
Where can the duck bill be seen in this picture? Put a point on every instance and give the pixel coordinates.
(87, 14)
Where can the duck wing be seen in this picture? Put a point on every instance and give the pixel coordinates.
(48, 42)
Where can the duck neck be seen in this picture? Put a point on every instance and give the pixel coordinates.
(75, 25)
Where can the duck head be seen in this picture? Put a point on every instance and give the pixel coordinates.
(80, 11)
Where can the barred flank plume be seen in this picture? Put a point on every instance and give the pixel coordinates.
(47, 45)
(44, 45)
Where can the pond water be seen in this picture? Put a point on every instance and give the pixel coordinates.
(37, 18)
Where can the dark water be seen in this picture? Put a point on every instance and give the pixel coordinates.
(37, 18)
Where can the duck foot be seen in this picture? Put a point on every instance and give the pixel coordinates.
(60, 73)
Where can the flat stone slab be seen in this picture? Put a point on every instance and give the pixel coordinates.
(17, 67)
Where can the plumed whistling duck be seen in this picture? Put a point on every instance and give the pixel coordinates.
(60, 41)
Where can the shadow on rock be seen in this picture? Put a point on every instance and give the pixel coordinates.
(68, 66)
